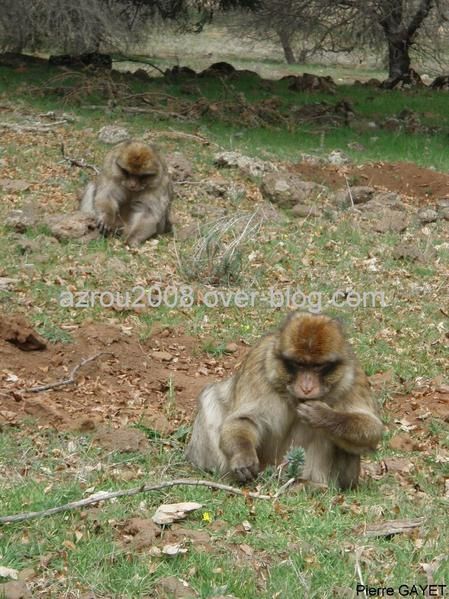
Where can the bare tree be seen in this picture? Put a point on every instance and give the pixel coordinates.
(62, 25)
(85, 25)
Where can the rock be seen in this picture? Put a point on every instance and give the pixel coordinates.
(309, 82)
(382, 200)
(443, 203)
(444, 213)
(25, 218)
(405, 251)
(218, 69)
(142, 75)
(111, 134)
(122, 440)
(16, 330)
(428, 215)
(287, 190)
(15, 589)
(359, 194)
(303, 210)
(338, 158)
(253, 167)
(390, 221)
(72, 226)
(179, 167)
(164, 356)
(312, 160)
(13, 185)
(231, 348)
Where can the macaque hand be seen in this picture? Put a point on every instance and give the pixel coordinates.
(105, 223)
(315, 413)
(245, 466)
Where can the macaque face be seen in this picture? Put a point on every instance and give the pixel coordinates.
(311, 355)
(132, 182)
(305, 380)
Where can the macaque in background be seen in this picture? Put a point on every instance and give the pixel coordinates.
(132, 194)
(299, 386)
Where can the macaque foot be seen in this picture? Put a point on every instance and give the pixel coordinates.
(245, 467)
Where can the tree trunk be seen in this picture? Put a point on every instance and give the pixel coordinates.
(288, 51)
(398, 57)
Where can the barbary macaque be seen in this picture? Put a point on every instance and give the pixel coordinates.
(298, 386)
(132, 194)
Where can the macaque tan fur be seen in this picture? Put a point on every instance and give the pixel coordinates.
(299, 386)
(132, 194)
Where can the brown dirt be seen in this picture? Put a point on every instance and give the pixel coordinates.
(414, 411)
(421, 185)
(132, 384)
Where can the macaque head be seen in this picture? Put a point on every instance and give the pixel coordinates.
(138, 166)
(312, 355)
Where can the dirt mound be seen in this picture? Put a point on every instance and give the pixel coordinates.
(420, 185)
(154, 382)
(16, 331)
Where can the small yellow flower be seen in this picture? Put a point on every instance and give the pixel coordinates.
(207, 517)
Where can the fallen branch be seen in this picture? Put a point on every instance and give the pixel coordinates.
(163, 113)
(108, 495)
(39, 128)
(71, 378)
(78, 161)
(391, 527)
(181, 134)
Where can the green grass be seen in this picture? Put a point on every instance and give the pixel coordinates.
(305, 545)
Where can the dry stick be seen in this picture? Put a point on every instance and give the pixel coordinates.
(349, 190)
(78, 161)
(164, 113)
(106, 496)
(71, 379)
(41, 128)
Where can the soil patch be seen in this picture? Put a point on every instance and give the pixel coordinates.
(155, 382)
(415, 411)
(420, 185)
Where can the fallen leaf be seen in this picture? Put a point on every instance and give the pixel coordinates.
(171, 512)
(173, 549)
(9, 573)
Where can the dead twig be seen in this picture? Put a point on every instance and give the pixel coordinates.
(163, 113)
(71, 378)
(181, 134)
(108, 495)
(391, 527)
(349, 191)
(78, 161)
(38, 128)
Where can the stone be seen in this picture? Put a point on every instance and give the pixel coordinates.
(287, 190)
(303, 210)
(72, 226)
(428, 215)
(111, 134)
(179, 167)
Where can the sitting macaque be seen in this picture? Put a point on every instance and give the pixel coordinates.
(132, 194)
(299, 386)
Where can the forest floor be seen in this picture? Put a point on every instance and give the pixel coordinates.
(125, 419)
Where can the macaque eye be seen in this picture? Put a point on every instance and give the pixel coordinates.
(327, 367)
(123, 171)
(291, 366)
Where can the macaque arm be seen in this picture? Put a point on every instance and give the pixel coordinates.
(239, 439)
(106, 204)
(356, 431)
